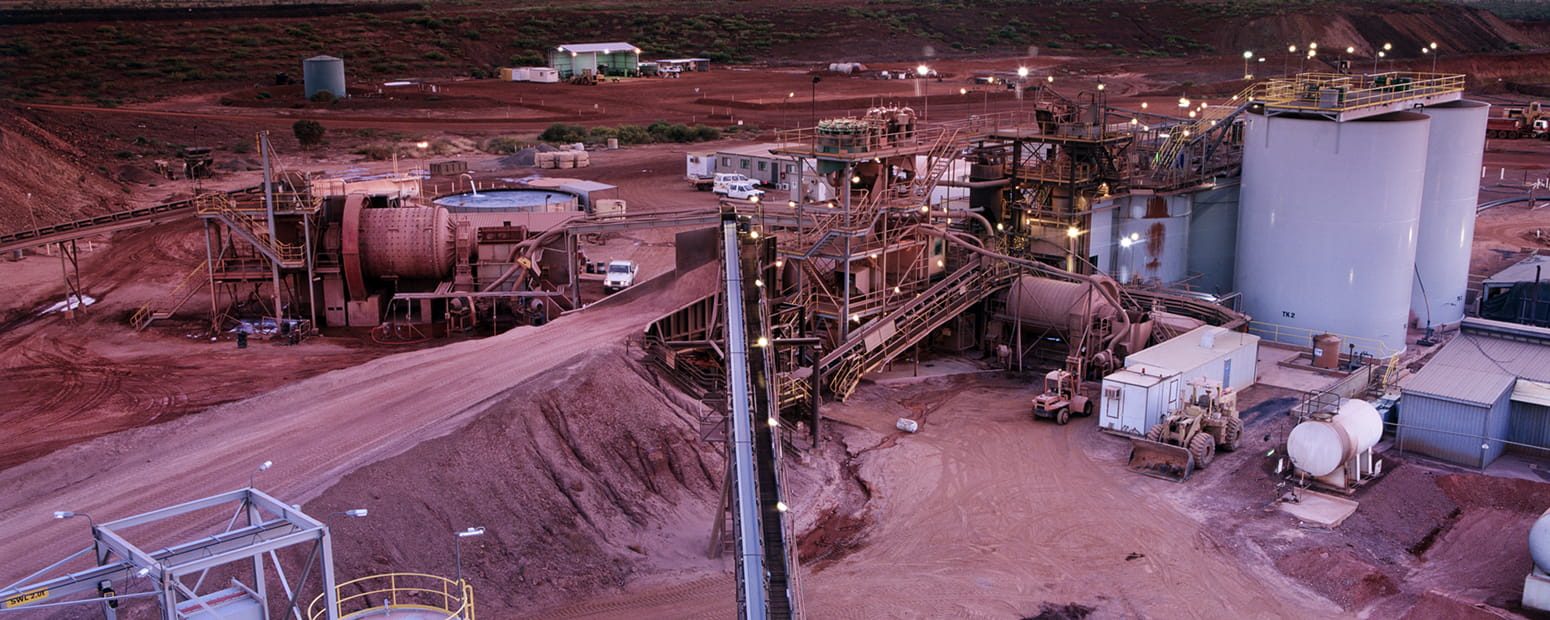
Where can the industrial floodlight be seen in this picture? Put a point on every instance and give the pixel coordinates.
(1022, 72)
(1073, 232)
(357, 513)
(473, 531)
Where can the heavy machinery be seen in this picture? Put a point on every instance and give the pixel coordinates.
(1061, 397)
(1188, 438)
(585, 78)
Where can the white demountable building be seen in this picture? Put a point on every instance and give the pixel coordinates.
(1139, 395)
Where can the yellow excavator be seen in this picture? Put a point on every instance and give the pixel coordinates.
(1189, 438)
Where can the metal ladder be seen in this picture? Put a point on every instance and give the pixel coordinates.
(223, 208)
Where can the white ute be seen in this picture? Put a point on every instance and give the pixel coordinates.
(743, 190)
(620, 275)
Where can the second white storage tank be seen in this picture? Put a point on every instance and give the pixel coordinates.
(1453, 155)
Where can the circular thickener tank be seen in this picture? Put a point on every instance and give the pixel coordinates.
(1327, 225)
(408, 243)
(514, 200)
(1539, 542)
(1157, 228)
(323, 73)
(1448, 197)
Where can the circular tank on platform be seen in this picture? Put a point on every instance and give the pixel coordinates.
(1448, 198)
(1156, 229)
(523, 200)
(1327, 225)
(1320, 447)
(324, 73)
(407, 243)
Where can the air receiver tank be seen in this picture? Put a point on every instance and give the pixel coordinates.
(1322, 448)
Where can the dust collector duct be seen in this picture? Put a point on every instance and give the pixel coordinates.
(412, 243)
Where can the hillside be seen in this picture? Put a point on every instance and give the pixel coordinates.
(127, 56)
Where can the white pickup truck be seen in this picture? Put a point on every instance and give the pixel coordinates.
(620, 275)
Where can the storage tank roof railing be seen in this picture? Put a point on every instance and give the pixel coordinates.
(1343, 97)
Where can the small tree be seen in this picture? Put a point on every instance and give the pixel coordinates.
(308, 132)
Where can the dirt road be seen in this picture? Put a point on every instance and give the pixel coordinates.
(315, 430)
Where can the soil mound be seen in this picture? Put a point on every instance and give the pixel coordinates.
(581, 476)
(1340, 575)
(526, 156)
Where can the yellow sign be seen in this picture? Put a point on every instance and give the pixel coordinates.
(23, 599)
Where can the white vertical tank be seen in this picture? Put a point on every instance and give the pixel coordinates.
(1327, 226)
(1448, 197)
(1157, 228)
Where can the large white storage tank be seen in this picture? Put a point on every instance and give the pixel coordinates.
(1453, 155)
(324, 73)
(1327, 226)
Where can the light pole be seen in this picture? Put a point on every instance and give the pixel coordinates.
(785, 111)
(812, 103)
(1433, 52)
(925, 89)
(1375, 61)
(1022, 76)
(65, 514)
(262, 467)
(1291, 50)
(457, 547)
(1247, 54)
(1072, 233)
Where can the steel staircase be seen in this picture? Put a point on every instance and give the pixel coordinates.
(166, 306)
(1191, 132)
(255, 232)
(939, 159)
(887, 336)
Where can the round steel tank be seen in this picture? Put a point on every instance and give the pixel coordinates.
(1156, 231)
(1448, 197)
(408, 243)
(1320, 447)
(1539, 542)
(520, 200)
(324, 73)
(1327, 226)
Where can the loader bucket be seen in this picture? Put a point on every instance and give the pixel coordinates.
(1160, 460)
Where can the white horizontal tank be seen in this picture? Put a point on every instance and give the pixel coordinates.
(1327, 226)
(1320, 447)
(1453, 155)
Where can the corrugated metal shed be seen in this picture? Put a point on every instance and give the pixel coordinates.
(1459, 384)
(1460, 406)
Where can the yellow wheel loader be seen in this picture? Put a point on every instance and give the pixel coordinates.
(1189, 438)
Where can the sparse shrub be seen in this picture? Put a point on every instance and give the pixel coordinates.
(323, 96)
(308, 132)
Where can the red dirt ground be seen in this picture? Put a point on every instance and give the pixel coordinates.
(585, 473)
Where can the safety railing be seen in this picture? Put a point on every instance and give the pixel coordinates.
(1286, 334)
(225, 208)
(180, 294)
(380, 595)
(1338, 92)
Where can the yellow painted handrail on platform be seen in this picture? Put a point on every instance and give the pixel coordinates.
(400, 591)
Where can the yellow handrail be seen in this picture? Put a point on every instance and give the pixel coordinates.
(1275, 332)
(457, 597)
